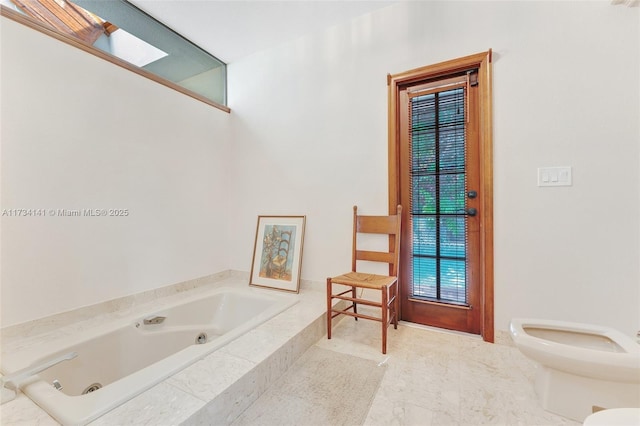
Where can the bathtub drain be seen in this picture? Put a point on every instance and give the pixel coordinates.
(94, 387)
(201, 338)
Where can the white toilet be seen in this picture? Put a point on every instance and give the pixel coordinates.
(614, 417)
(580, 366)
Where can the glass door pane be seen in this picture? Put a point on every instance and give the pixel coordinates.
(438, 179)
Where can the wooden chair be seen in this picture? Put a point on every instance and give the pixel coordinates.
(386, 284)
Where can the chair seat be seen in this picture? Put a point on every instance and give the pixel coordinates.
(279, 260)
(359, 279)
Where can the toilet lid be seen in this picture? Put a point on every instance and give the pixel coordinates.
(614, 417)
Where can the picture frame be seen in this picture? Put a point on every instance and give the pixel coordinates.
(277, 253)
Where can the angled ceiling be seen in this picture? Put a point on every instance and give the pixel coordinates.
(231, 30)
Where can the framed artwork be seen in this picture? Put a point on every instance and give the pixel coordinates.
(277, 252)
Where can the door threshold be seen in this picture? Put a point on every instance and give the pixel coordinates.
(440, 330)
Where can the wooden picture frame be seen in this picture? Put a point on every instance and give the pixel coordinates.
(277, 252)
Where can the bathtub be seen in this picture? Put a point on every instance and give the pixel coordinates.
(120, 360)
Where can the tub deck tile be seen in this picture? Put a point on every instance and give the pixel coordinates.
(208, 378)
(162, 404)
(24, 412)
(257, 345)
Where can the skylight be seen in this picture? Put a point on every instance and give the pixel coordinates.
(124, 31)
(130, 48)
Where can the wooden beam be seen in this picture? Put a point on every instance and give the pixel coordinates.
(67, 18)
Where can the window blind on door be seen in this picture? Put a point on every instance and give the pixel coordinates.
(438, 189)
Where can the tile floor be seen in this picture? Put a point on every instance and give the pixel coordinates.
(442, 378)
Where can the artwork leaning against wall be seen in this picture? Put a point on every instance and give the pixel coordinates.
(121, 30)
(277, 252)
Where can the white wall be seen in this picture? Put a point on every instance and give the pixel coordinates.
(80, 133)
(309, 127)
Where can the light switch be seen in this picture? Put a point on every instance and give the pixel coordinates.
(554, 176)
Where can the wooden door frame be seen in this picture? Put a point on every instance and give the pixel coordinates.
(395, 83)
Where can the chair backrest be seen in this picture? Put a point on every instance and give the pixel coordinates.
(283, 246)
(378, 225)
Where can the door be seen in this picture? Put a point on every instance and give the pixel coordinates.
(440, 185)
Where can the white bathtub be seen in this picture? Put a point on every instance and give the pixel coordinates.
(128, 356)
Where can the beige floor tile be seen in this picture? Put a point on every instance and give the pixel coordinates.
(444, 378)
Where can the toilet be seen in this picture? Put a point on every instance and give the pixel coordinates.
(614, 417)
(581, 368)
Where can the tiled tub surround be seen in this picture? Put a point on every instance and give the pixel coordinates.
(123, 358)
(220, 386)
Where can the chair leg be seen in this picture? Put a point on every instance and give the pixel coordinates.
(329, 312)
(385, 317)
(355, 306)
(395, 305)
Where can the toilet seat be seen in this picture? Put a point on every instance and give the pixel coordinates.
(614, 417)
